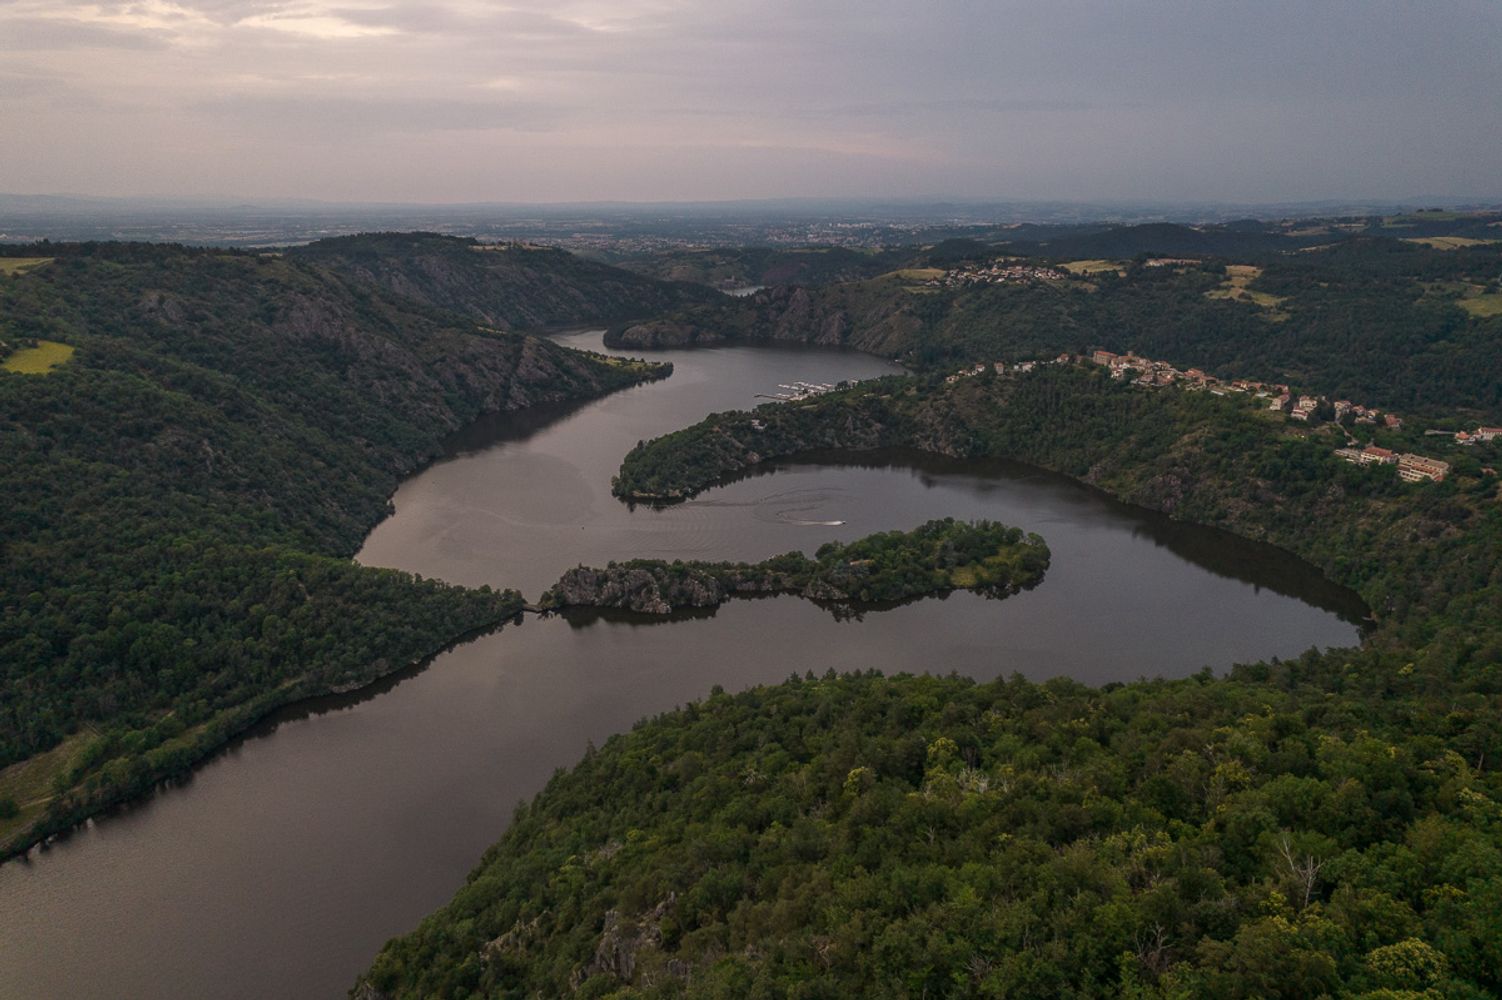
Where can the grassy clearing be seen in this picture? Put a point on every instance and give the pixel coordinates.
(1447, 242)
(20, 265)
(1093, 266)
(1235, 287)
(638, 366)
(38, 360)
(29, 783)
(916, 273)
(1484, 306)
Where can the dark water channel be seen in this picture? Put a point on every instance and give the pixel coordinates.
(283, 864)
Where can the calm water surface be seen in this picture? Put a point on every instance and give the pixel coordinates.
(280, 868)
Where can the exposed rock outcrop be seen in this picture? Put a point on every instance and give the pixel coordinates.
(623, 942)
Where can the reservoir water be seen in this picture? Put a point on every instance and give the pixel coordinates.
(285, 862)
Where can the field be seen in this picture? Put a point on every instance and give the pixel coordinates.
(38, 360)
(1238, 277)
(1416, 217)
(1447, 242)
(1092, 266)
(1483, 305)
(916, 273)
(28, 784)
(20, 265)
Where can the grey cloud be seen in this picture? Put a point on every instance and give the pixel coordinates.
(330, 114)
(905, 109)
(38, 34)
(959, 105)
(14, 86)
(437, 19)
(1282, 99)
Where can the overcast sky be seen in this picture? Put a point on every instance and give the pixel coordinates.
(469, 100)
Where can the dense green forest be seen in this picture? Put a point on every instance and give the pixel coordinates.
(184, 492)
(1326, 826)
(890, 566)
(1379, 320)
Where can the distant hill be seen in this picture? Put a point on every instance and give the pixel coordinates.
(1390, 322)
(738, 267)
(511, 287)
(1166, 239)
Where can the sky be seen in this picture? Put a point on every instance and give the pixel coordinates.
(674, 100)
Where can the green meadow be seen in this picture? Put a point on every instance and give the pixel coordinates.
(20, 265)
(38, 360)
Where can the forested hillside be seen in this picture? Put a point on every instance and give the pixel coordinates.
(1328, 826)
(184, 492)
(509, 286)
(1396, 324)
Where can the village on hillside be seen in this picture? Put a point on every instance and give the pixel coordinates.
(998, 272)
(1150, 374)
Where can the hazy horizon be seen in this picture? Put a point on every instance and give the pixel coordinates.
(682, 101)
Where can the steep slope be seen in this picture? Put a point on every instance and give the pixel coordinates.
(511, 287)
(875, 316)
(183, 494)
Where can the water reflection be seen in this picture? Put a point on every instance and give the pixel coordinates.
(1227, 555)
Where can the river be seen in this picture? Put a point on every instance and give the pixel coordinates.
(286, 861)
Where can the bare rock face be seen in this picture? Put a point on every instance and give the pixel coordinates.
(364, 991)
(622, 942)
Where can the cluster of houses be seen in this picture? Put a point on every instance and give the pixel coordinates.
(1477, 436)
(1411, 468)
(1149, 373)
(996, 273)
(1306, 406)
(1001, 368)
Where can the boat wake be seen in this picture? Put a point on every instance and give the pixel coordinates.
(787, 507)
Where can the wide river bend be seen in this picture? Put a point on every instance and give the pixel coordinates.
(285, 862)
